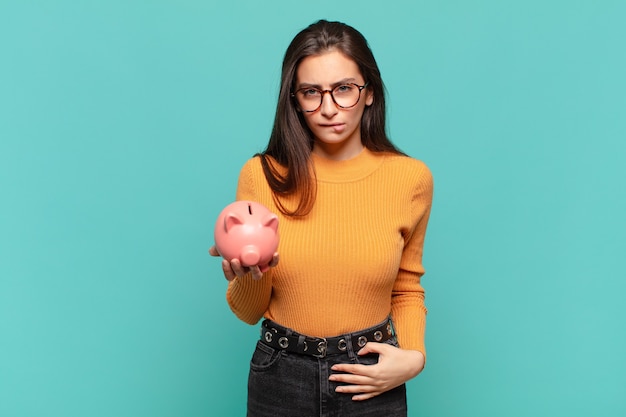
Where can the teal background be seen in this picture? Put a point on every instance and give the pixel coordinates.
(123, 125)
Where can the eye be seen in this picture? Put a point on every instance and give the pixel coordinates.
(310, 92)
(343, 89)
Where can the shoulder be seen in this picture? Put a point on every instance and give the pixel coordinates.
(405, 162)
(252, 170)
(255, 165)
(253, 178)
(412, 170)
(252, 165)
(252, 184)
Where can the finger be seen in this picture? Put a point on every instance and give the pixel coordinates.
(229, 274)
(256, 272)
(373, 347)
(213, 251)
(366, 395)
(238, 269)
(352, 369)
(351, 379)
(357, 389)
(274, 260)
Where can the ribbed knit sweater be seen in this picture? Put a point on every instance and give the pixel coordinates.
(354, 259)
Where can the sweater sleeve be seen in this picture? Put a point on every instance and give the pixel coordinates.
(407, 306)
(249, 298)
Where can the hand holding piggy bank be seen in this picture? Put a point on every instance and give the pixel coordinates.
(247, 231)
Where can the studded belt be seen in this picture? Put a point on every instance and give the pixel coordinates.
(282, 338)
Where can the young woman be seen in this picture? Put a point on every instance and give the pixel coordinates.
(343, 311)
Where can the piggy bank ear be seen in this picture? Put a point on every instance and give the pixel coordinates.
(271, 221)
(230, 220)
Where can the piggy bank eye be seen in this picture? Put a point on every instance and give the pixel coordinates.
(250, 209)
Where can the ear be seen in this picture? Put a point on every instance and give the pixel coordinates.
(369, 97)
(271, 221)
(230, 220)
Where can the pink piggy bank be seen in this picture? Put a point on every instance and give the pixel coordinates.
(247, 231)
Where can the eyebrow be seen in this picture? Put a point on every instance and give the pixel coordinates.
(333, 85)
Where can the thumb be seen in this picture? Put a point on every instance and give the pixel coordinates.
(371, 347)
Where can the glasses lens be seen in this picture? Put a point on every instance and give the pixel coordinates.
(346, 95)
(309, 99)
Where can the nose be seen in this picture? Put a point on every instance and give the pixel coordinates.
(328, 108)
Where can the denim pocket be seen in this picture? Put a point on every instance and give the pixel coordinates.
(264, 357)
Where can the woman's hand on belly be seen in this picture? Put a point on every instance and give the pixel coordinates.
(395, 366)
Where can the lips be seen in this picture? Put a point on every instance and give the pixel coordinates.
(337, 127)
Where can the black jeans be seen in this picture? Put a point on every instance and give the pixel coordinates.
(283, 384)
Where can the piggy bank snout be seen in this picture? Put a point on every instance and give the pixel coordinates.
(250, 255)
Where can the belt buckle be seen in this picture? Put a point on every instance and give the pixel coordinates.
(321, 348)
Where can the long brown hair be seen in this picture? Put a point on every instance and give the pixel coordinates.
(291, 140)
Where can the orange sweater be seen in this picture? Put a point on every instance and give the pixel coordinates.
(352, 261)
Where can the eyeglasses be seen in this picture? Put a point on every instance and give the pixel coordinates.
(344, 96)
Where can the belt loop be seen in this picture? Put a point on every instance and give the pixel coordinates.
(302, 343)
(350, 347)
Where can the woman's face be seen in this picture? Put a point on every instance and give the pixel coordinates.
(337, 131)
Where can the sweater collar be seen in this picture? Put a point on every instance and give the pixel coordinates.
(353, 169)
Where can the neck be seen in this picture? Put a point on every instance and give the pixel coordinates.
(337, 151)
